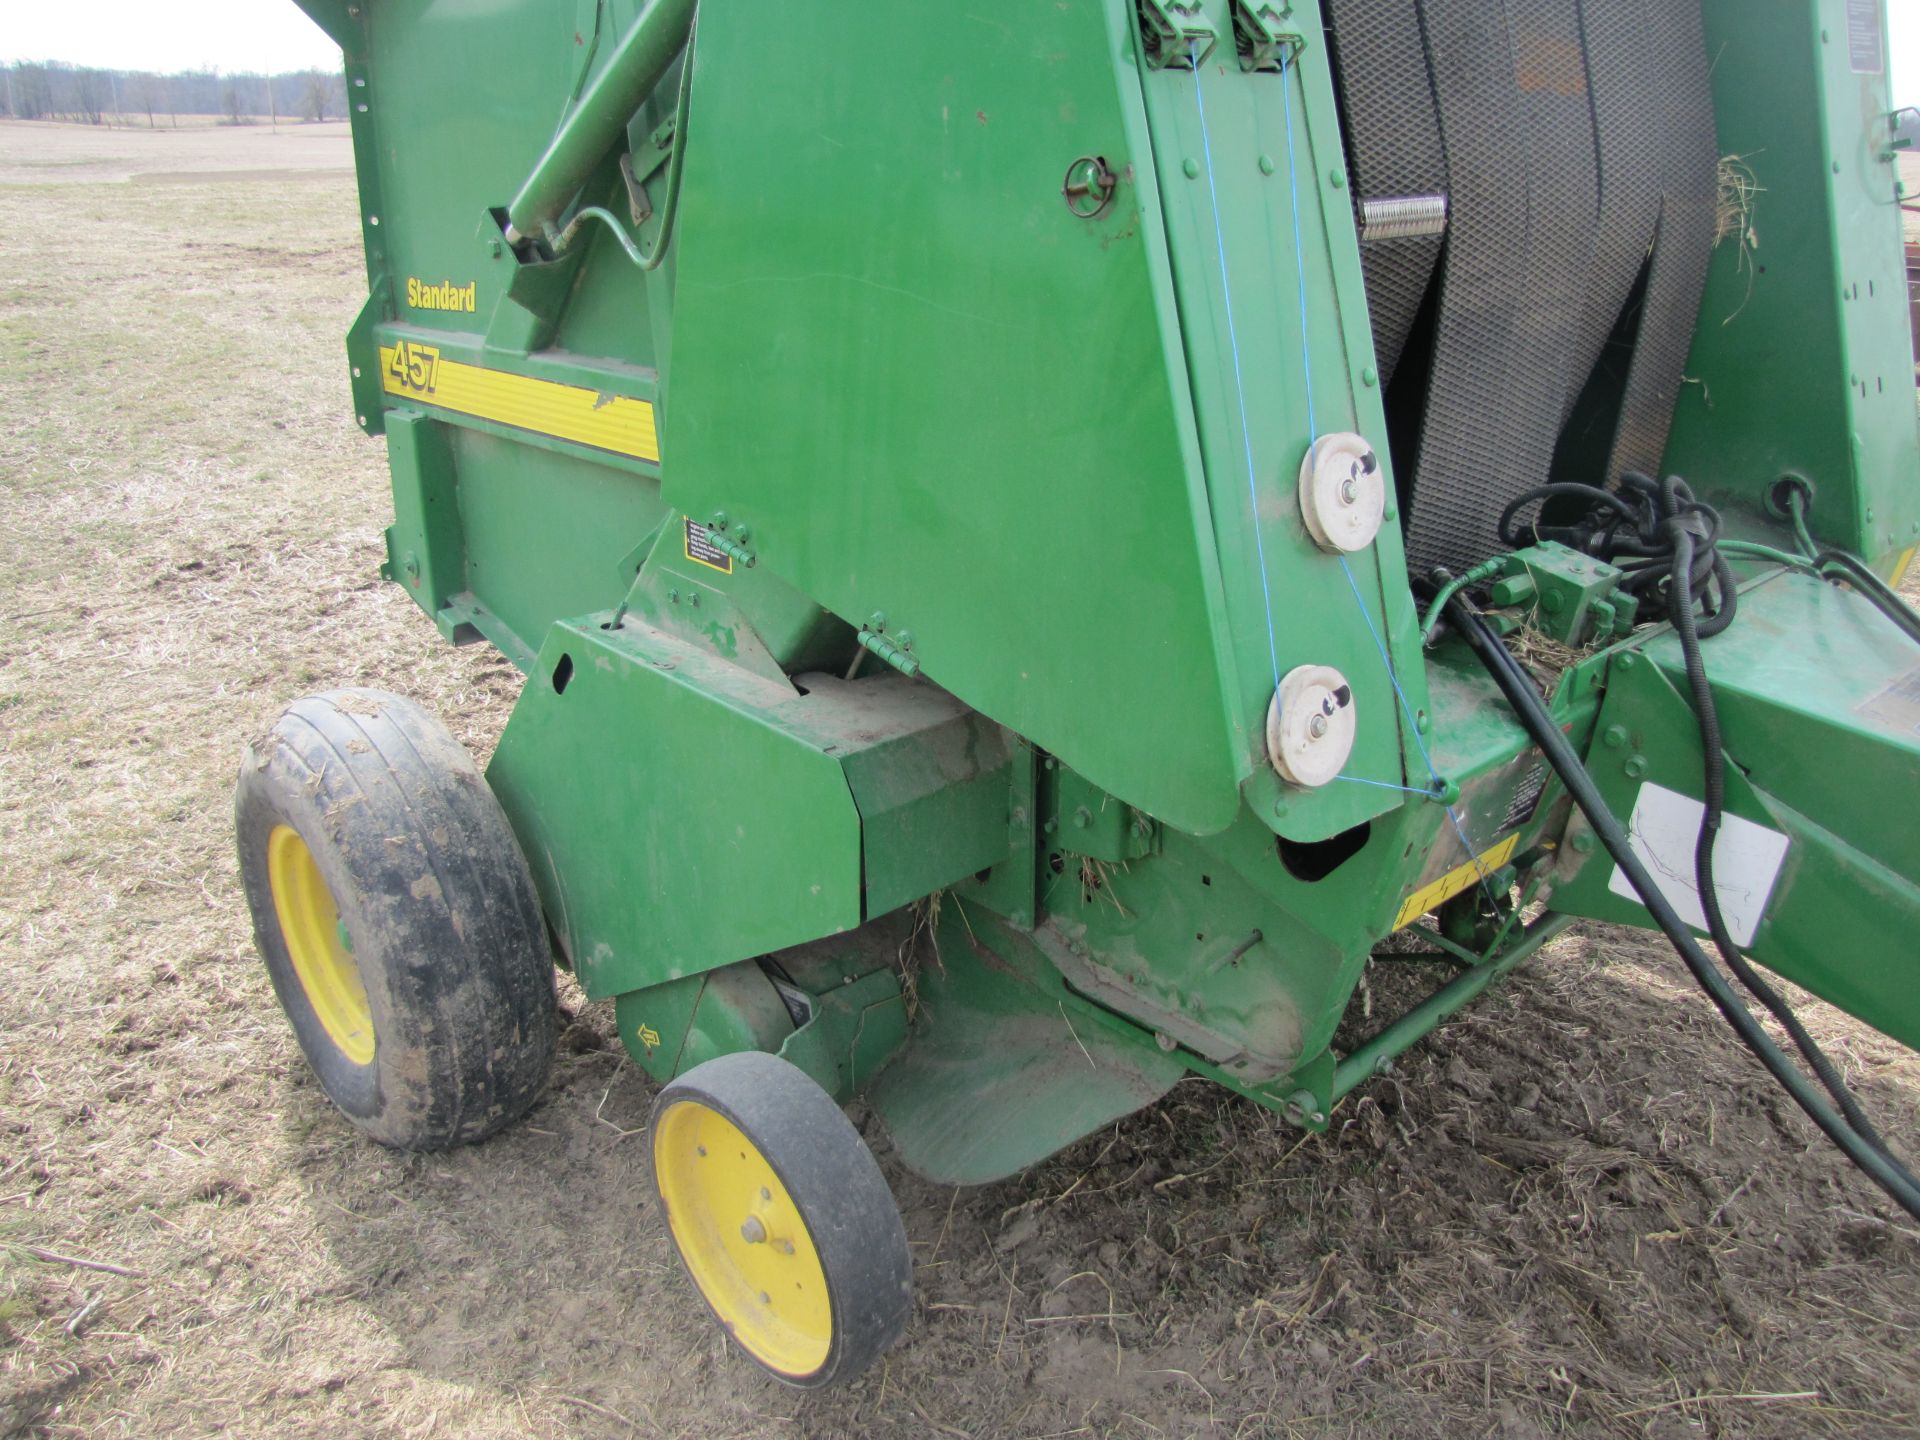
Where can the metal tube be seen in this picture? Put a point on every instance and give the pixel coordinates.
(590, 129)
(1449, 999)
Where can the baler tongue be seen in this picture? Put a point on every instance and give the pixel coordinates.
(1817, 694)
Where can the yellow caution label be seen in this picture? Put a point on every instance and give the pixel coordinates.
(616, 423)
(700, 549)
(1455, 882)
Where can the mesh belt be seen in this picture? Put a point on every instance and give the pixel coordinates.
(1573, 139)
(1628, 127)
(1678, 276)
(1393, 150)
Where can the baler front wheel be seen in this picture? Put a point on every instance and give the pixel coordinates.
(397, 919)
(781, 1218)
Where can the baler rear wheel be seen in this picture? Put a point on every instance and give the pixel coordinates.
(781, 1218)
(397, 919)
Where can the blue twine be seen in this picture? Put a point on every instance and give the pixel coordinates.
(1239, 380)
(1299, 252)
(1383, 785)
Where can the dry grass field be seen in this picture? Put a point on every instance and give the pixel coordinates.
(1576, 1210)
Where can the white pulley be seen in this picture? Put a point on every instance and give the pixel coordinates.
(1343, 493)
(1311, 725)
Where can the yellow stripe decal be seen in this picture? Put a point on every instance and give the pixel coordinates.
(1455, 882)
(618, 423)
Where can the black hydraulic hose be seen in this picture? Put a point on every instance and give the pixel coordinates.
(1714, 800)
(1517, 686)
(1883, 595)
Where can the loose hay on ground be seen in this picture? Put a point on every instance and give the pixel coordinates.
(1577, 1209)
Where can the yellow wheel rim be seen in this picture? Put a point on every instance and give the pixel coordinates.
(743, 1239)
(318, 945)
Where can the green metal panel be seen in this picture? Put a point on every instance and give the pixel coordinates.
(734, 1008)
(425, 549)
(464, 98)
(681, 811)
(933, 804)
(855, 1030)
(1005, 1064)
(545, 533)
(672, 821)
(1803, 359)
(1259, 224)
(795, 634)
(935, 393)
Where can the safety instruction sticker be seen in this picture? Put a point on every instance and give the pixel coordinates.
(1898, 706)
(1455, 882)
(1864, 52)
(701, 550)
(1664, 831)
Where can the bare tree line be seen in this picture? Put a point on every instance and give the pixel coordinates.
(52, 90)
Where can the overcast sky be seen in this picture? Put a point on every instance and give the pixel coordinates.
(273, 34)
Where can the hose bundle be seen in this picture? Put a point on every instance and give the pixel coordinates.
(1639, 529)
(1668, 543)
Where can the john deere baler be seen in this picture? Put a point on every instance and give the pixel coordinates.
(1043, 538)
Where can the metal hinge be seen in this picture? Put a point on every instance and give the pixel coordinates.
(896, 648)
(1262, 37)
(1175, 34)
(730, 539)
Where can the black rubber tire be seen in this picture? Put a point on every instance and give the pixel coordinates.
(835, 1182)
(437, 905)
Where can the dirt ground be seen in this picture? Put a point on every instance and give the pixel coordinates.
(1578, 1209)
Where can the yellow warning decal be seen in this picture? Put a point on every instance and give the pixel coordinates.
(618, 423)
(1454, 882)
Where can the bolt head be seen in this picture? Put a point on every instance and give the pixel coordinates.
(1317, 727)
(754, 1232)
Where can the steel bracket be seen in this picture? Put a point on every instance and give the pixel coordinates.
(1261, 36)
(1175, 34)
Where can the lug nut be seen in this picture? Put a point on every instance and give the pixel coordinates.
(753, 1232)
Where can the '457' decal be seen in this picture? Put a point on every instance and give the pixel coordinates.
(414, 367)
